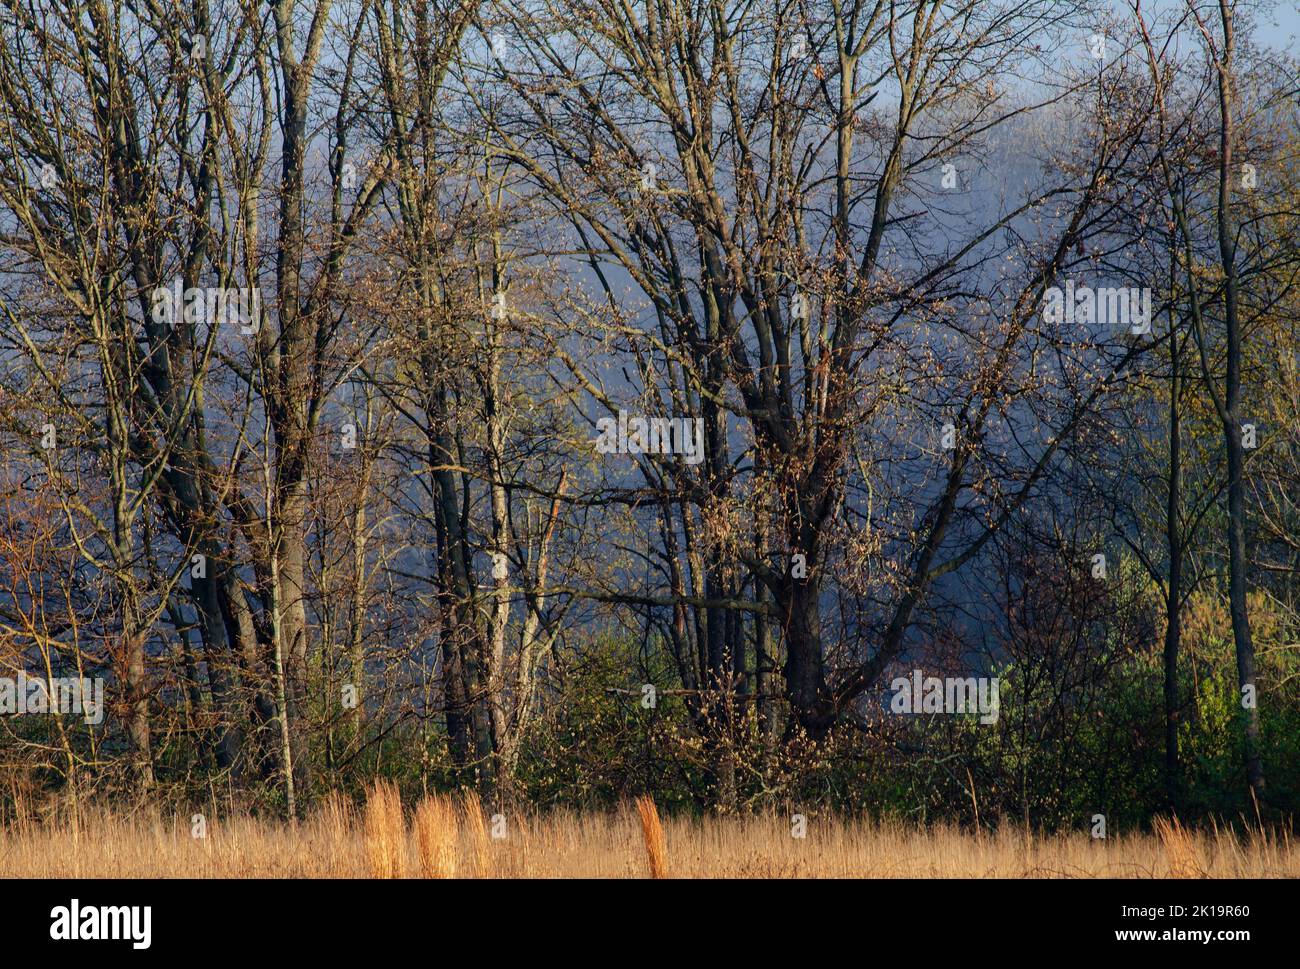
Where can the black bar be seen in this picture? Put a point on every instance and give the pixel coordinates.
(666, 919)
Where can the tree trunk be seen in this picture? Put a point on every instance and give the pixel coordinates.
(1237, 561)
(811, 706)
(1174, 592)
(138, 717)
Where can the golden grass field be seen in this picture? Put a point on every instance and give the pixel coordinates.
(445, 838)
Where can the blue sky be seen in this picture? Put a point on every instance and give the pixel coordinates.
(1279, 27)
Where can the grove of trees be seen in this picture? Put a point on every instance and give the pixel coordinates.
(312, 313)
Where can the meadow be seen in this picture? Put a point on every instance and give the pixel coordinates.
(445, 837)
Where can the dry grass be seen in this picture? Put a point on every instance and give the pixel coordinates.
(385, 832)
(472, 815)
(337, 815)
(436, 836)
(446, 839)
(652, 833)
(1181, 849)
